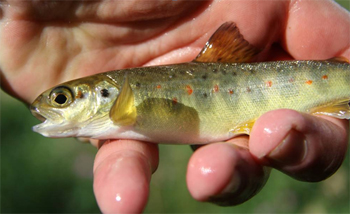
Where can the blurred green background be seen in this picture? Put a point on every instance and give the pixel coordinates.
(41, 175)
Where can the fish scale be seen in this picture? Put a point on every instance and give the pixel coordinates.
(221, 111)
(215, 97)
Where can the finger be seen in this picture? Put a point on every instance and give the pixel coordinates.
(122, 173)
(303, 146)
(224, 173)
(317, 30)
(97, 143)
(42, 10)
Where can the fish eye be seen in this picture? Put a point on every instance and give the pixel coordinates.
(61, 99)
(61, 96)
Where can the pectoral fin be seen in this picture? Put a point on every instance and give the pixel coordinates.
(243, 128)
(227, 45)
(123, 112)
(339, 109)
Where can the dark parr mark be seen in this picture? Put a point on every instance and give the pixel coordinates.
(205, 95)
(204, 76)
(104, 93)
(138, 85)
(251, 71)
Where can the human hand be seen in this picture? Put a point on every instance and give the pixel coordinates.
(72, 39)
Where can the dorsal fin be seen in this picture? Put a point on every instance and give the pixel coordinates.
(123, 112)
(227, 45)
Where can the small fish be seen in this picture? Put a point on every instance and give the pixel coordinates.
(213, 98)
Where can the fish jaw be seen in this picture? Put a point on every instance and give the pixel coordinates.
(56, 130)
(52, 124)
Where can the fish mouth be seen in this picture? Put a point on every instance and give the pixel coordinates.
(50, 127)
(45, 115)
(52, 120)
(52, 130)
(35, 112)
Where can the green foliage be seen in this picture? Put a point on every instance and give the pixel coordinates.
(40, 174)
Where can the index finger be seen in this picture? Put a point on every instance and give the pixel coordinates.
(317, 30)
(122, 173)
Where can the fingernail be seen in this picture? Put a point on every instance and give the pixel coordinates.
(292, 150)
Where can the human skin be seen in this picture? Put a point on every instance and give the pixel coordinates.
(44, 43)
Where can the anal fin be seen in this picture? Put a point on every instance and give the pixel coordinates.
(243, 128)
(339, 59)
(339, 109)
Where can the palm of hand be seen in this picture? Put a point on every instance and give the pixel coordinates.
(44, 43)
(40, 50)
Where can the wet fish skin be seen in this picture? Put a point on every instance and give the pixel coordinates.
(225, 96)
(209, 100)
(213, 98)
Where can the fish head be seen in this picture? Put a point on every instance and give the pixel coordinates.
(79, 108)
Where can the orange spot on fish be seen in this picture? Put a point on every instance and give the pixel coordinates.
(216, 88)
(291, 80)
(269, 83)
(174, 100)
(189, 90)
(230, 91)
(159, 86)
(309, 82)
(79, 95)
(324, 77)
